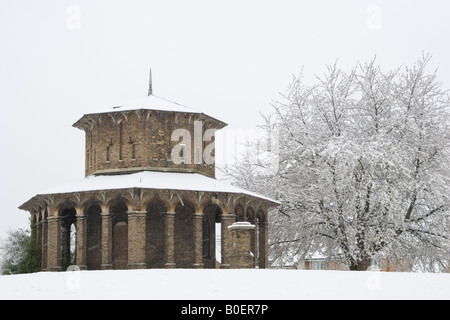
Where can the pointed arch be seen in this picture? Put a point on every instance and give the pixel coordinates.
(118, 210)
(212, 214)
(184, 234)
(67, 213)
(92, 212)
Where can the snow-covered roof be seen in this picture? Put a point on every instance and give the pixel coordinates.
(152, 180)
(150, 102)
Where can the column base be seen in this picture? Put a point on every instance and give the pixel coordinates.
(75, 267)
(106, 267)
(140, 265)
(198, 265)
(54, 269)
(224, 266)
(170, 265)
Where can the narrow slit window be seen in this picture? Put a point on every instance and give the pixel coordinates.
(133, 152)
(107, 154)
(120, 141)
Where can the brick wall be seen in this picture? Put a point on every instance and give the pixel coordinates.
(143, 139)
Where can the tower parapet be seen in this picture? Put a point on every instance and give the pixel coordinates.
(149, 134)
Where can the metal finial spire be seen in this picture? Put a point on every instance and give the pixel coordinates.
(150, 87)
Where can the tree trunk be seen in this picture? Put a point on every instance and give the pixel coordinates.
(364, 264)
(361, 265)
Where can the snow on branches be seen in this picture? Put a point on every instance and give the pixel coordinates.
(364, 166)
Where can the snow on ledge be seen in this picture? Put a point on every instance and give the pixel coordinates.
(241, 225)
(150, 102)
(152, 180)
(220, 284)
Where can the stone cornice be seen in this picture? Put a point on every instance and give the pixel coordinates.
(115, 171)
(88, 121)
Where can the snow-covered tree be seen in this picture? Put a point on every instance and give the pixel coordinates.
(364, 166)
(19, 252)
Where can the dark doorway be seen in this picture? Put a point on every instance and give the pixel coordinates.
(120, 245)
(94, 237)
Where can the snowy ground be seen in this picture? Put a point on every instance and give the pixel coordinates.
(224, 284)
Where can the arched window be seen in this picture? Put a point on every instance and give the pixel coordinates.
(67, 214)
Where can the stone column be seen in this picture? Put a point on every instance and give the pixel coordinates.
(81, 241)
(254, 242)
(54, 244)
(106, 241)
(170, 240)
(39, 236)
(136, 239)
(198, 240)
(44, 244)
(240, 254)
(263, 244)
(227, 241)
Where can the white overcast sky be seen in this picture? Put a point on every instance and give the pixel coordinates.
(60, 59)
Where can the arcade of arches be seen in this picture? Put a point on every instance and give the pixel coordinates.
(133, 229)
(141, 205)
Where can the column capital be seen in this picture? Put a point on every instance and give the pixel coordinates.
(137, 213)
(228, 216)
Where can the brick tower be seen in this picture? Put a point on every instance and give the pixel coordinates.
(149, 198)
